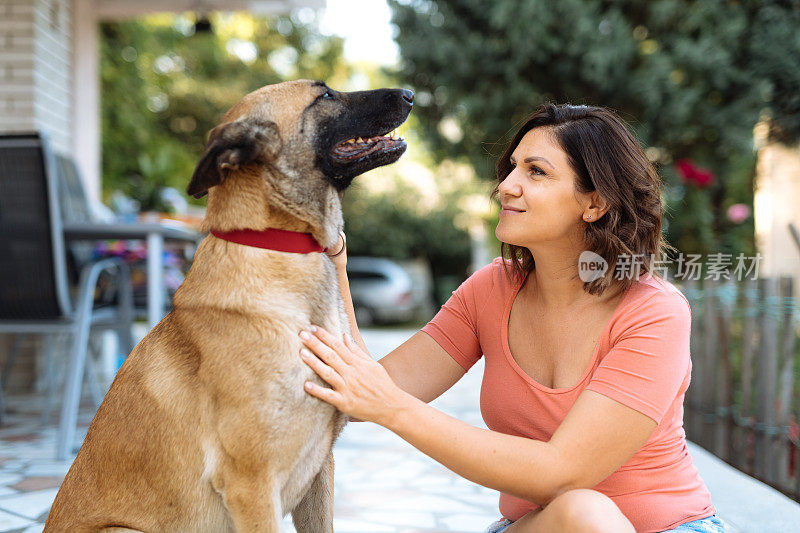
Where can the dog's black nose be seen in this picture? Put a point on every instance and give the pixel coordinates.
(408, 96)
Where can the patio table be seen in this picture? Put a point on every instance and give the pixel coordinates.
(155, 233)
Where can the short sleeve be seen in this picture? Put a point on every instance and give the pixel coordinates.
(649, 359)
(455, 326)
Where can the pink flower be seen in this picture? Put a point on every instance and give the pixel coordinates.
(738, 213)
(685, 168)
(691, 173)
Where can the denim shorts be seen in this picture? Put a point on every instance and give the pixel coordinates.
(710, 524)
(499, 526)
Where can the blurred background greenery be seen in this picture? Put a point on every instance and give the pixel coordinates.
(692, 78)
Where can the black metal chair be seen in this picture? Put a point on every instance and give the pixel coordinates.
(34, 287)
(74, 206)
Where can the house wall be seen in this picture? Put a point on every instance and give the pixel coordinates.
(35, 68)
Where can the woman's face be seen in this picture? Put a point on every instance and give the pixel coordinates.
(539, 201)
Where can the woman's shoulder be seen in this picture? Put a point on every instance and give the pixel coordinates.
(654, 311)
(652, 299)
(488, 278)
(491, 273)
(659, 290)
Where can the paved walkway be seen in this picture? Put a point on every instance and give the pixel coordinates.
(382, 483)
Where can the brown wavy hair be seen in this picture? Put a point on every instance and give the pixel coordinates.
(605, 157)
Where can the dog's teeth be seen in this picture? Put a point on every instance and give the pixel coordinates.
(359, 140)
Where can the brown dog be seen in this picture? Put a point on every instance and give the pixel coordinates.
(206, 427)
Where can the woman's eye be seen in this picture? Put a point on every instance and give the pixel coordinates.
(536, 170)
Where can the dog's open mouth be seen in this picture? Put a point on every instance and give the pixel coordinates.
(357, 148)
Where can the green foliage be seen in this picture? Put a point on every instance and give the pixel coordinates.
(775, 51)
(691, 77)
(164, 88)
(400, 221)
(386, 226)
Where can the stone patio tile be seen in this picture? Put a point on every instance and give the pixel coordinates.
(31, 505)
(12, 465)
(433, 483)
(418, 530)
(423, 502)
(487, 500)
(374, 498)
(10, 521)
(469, 522)
(406, 471)
(409, 518)
(48, 469)
(9, 478)
(343, 525)
(23, 437)
(33, 483)
(36, 451)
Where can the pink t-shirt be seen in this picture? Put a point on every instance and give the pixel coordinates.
(641, 360)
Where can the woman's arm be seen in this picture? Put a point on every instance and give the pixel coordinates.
(419, 366)
(527, 468)
(344, 290)
(362, 388)
(339, 259)
(596, 438)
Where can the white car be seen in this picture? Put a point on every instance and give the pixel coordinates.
(381, 289)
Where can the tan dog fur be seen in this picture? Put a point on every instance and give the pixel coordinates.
(206, 427)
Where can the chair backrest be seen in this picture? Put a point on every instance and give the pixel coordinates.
(75, 208)
(33, 282)
(72, 196)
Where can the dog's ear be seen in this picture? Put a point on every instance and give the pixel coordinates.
(233, 145)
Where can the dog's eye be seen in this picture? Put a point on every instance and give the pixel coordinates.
(328, 95)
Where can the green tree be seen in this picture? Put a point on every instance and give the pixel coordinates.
(692, 78)
(393, 224)
(164, 87)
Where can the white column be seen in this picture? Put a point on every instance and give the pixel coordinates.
(777, 191)
(86, 95)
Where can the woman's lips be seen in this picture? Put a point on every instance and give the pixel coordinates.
(507, 211)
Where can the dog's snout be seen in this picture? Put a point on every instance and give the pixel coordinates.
(408, 96)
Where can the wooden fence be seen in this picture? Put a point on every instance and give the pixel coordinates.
(743, 402)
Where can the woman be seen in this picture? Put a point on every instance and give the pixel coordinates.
(584, 375)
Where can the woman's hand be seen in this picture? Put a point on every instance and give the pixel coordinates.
(360, 387)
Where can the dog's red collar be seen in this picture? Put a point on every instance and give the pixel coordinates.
(273, 239)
